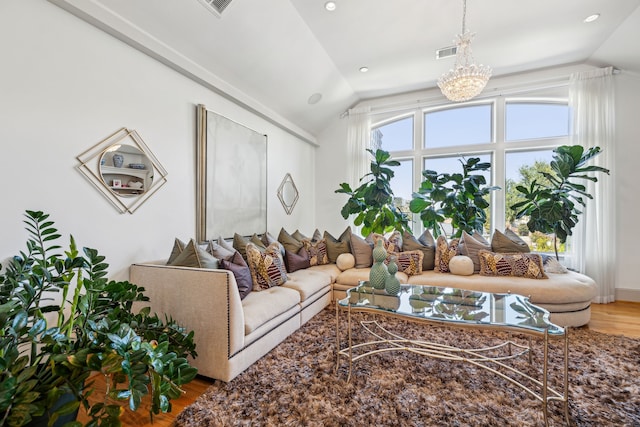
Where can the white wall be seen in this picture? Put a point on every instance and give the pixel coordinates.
(334, 150)
(65, 86)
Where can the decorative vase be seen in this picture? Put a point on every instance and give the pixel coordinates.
(378, 272)
(391, 283)
(118, 160)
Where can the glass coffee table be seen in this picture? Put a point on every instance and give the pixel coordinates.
(453, 307)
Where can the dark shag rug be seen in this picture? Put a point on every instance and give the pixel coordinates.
(295, 384)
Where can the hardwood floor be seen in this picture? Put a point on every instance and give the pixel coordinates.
(618, 318)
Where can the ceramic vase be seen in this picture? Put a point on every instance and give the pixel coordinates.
(378, 272)
(118, 160)
(391, 283)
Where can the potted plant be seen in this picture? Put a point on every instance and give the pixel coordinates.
(50, 347)
(552, 206)
(460, 197)
(372, 201)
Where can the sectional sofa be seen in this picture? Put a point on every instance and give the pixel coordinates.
(232, 333)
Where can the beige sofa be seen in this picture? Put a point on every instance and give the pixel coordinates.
(231, 334)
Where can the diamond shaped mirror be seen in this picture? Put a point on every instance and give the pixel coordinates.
(288, 193)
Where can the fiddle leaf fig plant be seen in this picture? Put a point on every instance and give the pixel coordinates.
(372, 201)
(553, 207)
(458, 197)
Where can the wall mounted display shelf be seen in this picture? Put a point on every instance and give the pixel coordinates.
(124, 169)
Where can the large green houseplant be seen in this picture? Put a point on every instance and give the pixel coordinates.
(52, 346)
(552, 206)
(459, 197)
(372, 201)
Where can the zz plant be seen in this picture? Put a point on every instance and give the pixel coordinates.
(553, 207)
(372, 201)
(51, 347)
(459, 197)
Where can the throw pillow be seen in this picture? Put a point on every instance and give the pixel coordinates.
(194, 256)
(552, 265)
(444, 252)
(470, 245)
(336, 247)
(295, 262)
(289, 243)
(298, 236)
(317, 251)
(345, 261)
(268, 239)
(178, 247)
(267, 268)
(514, 264)
(408, 262)
(425, 244)
(220, 252)
(508, 242)
(361, 250)
(241, 272)
(391, 244)
(240, 243)
(227, 245)
(461, 265)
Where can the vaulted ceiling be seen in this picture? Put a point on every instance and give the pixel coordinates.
(278, 54)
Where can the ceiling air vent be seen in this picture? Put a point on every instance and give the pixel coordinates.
(216, 6)
(446, 52)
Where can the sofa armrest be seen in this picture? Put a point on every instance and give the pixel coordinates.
(206, 301)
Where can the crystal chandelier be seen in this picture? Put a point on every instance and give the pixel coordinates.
(466, 79)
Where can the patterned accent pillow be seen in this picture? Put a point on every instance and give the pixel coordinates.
(515, 264)
(391, 244)
(408, 262)
(444, 252)
(317, 251)
(267, 268)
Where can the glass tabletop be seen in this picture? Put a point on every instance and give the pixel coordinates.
(452, 305)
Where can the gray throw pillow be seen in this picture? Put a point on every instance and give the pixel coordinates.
(362, 251)
(194, 256)
(471, 245)
(289, 242)
(335, 247)
(178, 247)
(425, 244)
(508, 242)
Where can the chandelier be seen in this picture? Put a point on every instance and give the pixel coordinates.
(466, 80)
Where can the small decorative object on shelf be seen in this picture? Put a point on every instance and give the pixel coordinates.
(118, 160)
(391, 283)
(378, 272)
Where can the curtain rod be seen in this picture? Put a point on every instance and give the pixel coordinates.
(531, 86)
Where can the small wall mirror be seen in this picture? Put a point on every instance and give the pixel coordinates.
(124, 169)
(288, 194)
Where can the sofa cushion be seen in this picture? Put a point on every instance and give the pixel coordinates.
(331, 269)
(362, 251)
(425, 244)
(338, 246)
(261, 307)
(194, 256)
(517, 264)
(241, 272)
(317, 251)
(461, 265)
(178, 247)
(408, 262)
(470, 245)
(444, 252)
(289, 242)
(353, 277)
(308, 282)
(508, 242)
(345, 261)
(295, 262)
(267, 268)
(220, 252)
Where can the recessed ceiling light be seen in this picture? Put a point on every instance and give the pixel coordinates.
(591, 18)
(364, 69)
(314, 99)
(330, 6)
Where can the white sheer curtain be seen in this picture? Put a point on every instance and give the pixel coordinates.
(358, 140)
(592, 247)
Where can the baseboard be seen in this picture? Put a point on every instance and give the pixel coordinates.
(632, 295)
